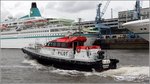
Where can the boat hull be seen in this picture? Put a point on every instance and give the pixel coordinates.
(70, 64)
(140, 27)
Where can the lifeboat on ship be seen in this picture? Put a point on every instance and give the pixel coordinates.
(71, 54)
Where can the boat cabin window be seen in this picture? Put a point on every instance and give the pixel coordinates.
(50, 44)
(80, 43)
(69, 45)
(63, 45)
(54, 44)
(144, 28)
(57, 44)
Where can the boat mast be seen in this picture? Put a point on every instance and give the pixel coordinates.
(79, 28)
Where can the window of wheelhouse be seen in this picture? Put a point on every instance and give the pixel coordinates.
(69, 45)
(54, 44)
(49, 44)
(80, 43)
(63, 44)
(57, 44)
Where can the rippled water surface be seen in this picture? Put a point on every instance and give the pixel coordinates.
(133, 68)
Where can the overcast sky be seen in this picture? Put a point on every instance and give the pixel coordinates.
(67, 9)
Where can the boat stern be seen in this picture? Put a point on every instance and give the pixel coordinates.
(109, 64)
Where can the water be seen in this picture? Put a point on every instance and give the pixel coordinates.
(132, 68)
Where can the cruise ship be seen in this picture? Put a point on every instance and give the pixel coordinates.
(32, 28)
(140, 27)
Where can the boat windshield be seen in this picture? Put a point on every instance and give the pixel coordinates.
(63, 44)
(58, 44)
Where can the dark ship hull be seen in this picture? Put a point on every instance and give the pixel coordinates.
(70, 64)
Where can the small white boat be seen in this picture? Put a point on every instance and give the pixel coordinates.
(70, 53)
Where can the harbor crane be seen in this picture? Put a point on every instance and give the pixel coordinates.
(98, 18)
(137, 11)
(136, 16)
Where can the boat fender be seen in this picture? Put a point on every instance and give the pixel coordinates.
(106, 61)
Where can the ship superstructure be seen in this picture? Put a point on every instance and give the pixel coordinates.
(32, 28)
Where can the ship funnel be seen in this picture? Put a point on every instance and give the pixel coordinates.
(33, 5)
(34, 11)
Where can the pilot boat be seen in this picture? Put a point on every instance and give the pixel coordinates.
(70, 53)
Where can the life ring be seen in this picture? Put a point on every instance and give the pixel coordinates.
(78, 50)
(87, 48)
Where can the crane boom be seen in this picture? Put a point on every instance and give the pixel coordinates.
(98, 18)
(99, 14)
(105, 7)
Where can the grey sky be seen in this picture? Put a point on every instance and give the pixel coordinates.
(66, 9)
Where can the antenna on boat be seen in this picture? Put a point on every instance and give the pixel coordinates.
(79, 26)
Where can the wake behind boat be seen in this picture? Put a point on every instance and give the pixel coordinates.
(71, 54)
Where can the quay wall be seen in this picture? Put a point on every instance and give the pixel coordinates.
(122, 43)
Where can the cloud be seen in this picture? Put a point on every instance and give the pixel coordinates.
(72, 6)
(65, 9)
(18, 4)
(20, 14)
(4, 13)
(51, 4)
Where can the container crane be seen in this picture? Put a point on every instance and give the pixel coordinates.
(98, 18)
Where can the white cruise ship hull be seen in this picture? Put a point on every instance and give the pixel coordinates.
(140, 27)
(22, 39)
(24, 42)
